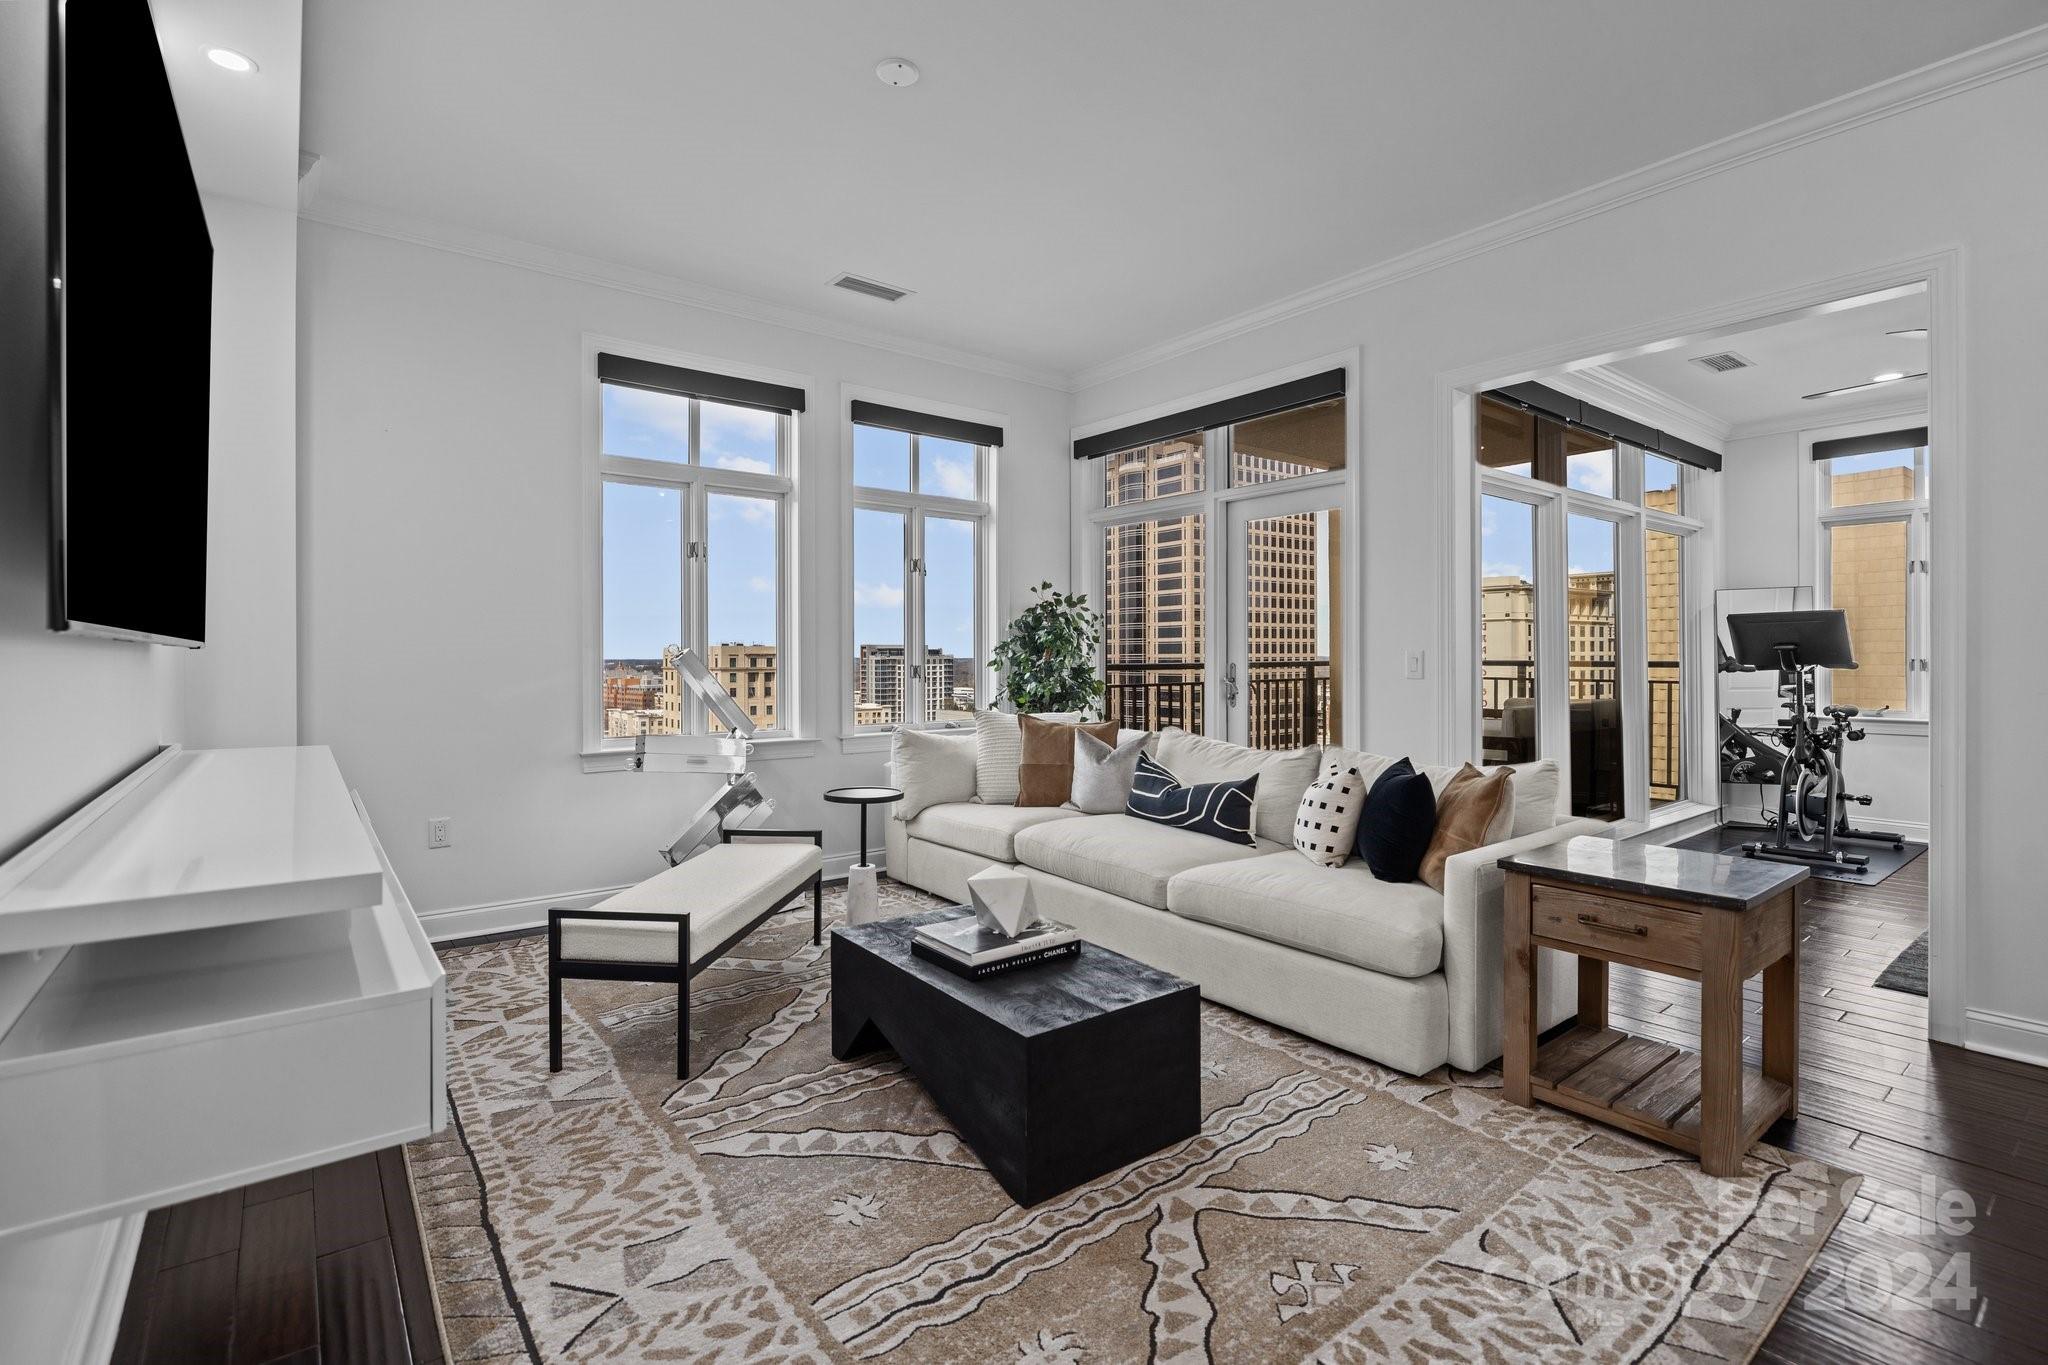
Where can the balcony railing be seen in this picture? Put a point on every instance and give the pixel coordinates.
(1289, 699)
(1508, 680)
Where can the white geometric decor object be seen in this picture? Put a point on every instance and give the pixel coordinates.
(1002, 901)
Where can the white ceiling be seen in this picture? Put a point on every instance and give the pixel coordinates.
(1071, 180)
(1811, 354)
(241, 130)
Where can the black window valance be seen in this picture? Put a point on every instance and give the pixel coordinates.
(719, 388)
(1295, 393)
(1541, 398)
(1876, 443)
(926, 424)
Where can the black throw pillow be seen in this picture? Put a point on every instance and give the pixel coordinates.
(1397, 823)
(1221, 810)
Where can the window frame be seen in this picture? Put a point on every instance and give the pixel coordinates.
(695, 482)
(1917, 515)
(1555, 505)
(1211, 504)
(915, 507)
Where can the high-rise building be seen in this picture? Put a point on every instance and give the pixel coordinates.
(749, 674)
(880, 687)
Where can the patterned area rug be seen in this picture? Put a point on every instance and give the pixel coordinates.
(781, 1205)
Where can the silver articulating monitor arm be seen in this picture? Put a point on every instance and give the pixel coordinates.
(739, 802)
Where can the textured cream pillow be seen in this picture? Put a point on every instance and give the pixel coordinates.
(1536, 795)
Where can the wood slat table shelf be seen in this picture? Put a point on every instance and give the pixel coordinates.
(1704, 917)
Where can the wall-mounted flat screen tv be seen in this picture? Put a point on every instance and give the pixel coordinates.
(132, 274)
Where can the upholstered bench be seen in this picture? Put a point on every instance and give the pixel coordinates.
(678, 922)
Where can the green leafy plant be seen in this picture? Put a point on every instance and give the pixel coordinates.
(1047, 657)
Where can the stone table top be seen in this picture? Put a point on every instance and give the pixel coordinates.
(1717, 880)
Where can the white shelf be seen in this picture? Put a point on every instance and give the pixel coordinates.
(195, 839)
(160, 1068)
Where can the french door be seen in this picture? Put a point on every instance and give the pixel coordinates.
(1282, 683)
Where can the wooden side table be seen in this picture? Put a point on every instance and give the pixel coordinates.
(1706, 917)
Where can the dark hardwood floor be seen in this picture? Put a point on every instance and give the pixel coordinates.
(327, 1265)
(324, 1266)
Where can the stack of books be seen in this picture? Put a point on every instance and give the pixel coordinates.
(963, 947)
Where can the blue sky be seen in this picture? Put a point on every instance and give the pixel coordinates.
(643, 539)
(1506, 549)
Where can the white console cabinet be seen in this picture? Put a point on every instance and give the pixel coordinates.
(208, 977)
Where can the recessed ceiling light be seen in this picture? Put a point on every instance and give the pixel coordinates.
(227, 59)
(1910, 333)
(1875, 381)
(896, 71)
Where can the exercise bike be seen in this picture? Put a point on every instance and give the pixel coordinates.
(1812, 802)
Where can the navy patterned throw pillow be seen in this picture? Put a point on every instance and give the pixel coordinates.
(1222, 810)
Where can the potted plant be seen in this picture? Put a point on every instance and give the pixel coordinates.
(1047, 657)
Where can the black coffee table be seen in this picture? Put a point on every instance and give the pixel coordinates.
(1054, 1074)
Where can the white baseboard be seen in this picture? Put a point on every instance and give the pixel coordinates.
(505, 917)
(2012, 1036)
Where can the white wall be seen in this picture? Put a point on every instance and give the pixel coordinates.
(1767, 543)
(1811, 212)
(242, 689)
(441, 557)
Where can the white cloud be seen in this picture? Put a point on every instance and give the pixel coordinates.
(760, 585)
(951, 479)
(1595, 478)
(877, 595)
(1501, 571)
(719, 459)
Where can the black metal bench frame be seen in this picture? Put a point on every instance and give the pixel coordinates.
(562, 969)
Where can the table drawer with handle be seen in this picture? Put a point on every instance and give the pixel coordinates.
(1631, 928)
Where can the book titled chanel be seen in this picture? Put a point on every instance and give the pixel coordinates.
(963, 946)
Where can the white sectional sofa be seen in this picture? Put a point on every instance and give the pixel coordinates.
(1395, 972)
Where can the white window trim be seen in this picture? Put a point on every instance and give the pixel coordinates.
(915, 507)
(696, 482)
(1555, 505)
(1815, 519)
(1210, 504)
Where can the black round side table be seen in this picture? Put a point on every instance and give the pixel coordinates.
(861, 896)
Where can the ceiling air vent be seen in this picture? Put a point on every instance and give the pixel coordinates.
(1720, 362)
(874, 289)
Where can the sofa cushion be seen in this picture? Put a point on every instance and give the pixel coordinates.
(1536, 784)
(1344, 913)
(1284, 774)
(998, 750)
(1125, 856)
(989, 831)
(930, 768)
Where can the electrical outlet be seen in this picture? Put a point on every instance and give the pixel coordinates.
(1414, 665)
(438, 835)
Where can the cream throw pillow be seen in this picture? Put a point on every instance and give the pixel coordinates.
(1326, 821)
(930, 769)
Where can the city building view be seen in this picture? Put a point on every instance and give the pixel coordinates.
(645, 696)
(1155, 586)
(880, 685)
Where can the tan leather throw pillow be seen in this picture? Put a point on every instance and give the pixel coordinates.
(1473, 810)
(1046, 776)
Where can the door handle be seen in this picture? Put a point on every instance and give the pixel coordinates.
(1640, 931)
(1230, 684)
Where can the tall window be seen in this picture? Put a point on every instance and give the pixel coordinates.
(695, 511)
(1231, 509)
(1873, 543)
(919, 567)
(1583, 609)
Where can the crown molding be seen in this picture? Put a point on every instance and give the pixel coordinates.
(356, 216)
(1820, 421)
(1631, 397)
(1996, 61)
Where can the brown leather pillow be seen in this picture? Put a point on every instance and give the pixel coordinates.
(1046, 776)
(1474, 810)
